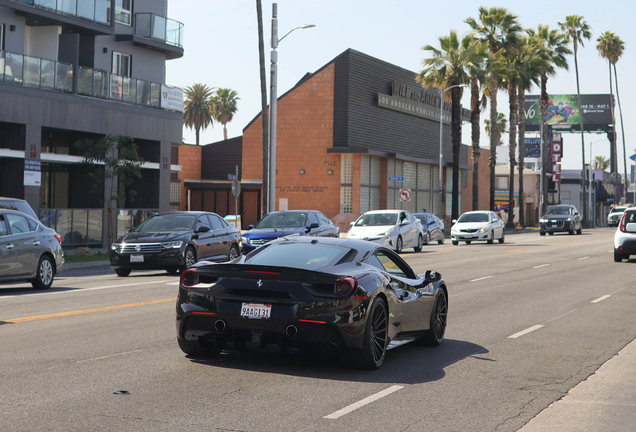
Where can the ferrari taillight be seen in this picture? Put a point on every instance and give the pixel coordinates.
(189, 278)
(623, 223)
(345, 286)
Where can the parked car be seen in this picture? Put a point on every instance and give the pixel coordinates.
(175, 241)
(625, 237)
(29, 251)
(433, 227)
(478, 226)
(561, 218)
(300, 294)
(614, 216)
(397, 229)
(286, 223)
(17, 204)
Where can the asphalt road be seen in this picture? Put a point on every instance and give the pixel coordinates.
(528, 320)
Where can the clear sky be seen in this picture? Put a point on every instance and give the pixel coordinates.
(221, 50)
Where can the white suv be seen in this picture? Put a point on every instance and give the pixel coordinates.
(625, 237)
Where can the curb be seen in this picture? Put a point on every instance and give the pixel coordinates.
(83, 265)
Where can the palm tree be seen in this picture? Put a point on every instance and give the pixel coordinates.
(446, 68)
(196, 114)
(601, 162)
(499, 29)
(610, 47)
(477, 74)
(553, 51)
(223, 105)
(502, 126)
(578, 30)
(264, 113)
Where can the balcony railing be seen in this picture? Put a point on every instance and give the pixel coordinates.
(53, 75)
(159, 28)
(35, 72)
(91, 10)
(77, 227)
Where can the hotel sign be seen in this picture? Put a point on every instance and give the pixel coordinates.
(420, 103)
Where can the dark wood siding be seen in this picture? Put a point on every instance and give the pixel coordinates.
(221, 158)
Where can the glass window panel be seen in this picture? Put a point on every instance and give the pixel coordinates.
(122, 11)
(84, 80)
(174, 32)
(63, 228)
(142, 24)
(390, 198)
(155, 95)
(159, 28)
(69, 6)
(346, 199)
(49, 4)
(423, 177)
(48, 74)
(95, 223)
(130, 90)
(374, 198)
(101, 83)
(423, 202)
(31, 71)
(1, 61)
(86, 9)
(116, 87)
(364, 169)
(364, 199)
(410, 175)
(143, 92)
(79, 227)
(346, 169)
(102, 11)
(64, 77)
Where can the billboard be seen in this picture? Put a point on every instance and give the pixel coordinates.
(565, 114)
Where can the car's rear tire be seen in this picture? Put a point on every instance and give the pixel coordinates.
(194, 348)
(123, 272)
(398, 244)
(503, 238)
(441, 241)
(435, 335)
(618, 256)
(45, 273)
(234, 252)
(373, 350)
(420, 243)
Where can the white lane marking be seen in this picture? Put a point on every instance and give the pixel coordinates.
(600, 299)
(540, 266)
(482, 278)
(579, 259)
(109, 356)
(172, 283)
(363, 402)
(526, 331)
(74, 290)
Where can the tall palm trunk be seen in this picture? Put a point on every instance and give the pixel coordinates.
(512, 134)
(264, 116)
(474, 120)
(584, 210)
(494, 141)
(224, 132)
(456, 124)
(196, 134)
(620, 112)
(543, 109)
(522, 153)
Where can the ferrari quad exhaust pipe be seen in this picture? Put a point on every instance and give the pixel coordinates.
(220, 325)
(291, 330)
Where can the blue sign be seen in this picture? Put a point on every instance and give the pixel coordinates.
(231, 177)
(397, 179)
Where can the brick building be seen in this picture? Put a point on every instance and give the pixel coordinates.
(343, 132)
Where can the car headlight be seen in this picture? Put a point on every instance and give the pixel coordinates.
(569, 219)
(115, 246)
(387, 232)
(542, 220)
(454, 230)
(245, 240)
(484, 229)
(172, 245)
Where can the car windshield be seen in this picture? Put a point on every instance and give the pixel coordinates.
(473, 217)
(618, 209)
(377, 219)
(282, 220)
(168, 222)
(558, 211)
(306, 256)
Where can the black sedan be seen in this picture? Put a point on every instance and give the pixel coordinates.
(561, 218)
(303, 294)
(175, 241)
(29, 251)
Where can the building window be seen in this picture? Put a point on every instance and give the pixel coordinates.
(418, 178)
(501, 183)
(346, 183)
(121, 64)
(2, 38)
(175, 195)
(123, 11)
(369, 183)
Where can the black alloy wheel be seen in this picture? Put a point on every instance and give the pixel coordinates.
(439, 315)
(373, 351)
(44, 277)
(190, 257)
(420, 243)
(233, 253)
(398, 245)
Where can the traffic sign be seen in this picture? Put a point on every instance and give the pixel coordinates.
(231, 177)
(397, 179)
(236, 188)
(405, 195)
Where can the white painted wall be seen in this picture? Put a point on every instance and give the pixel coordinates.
(42, 41)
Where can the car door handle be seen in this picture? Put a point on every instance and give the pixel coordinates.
(36, 243)
(10, 246)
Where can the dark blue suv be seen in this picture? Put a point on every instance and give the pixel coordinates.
(288, 223)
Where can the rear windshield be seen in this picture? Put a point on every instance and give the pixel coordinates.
(474, 217)
(297, 255)
(377, 219)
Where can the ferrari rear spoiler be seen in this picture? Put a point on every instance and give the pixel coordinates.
(247, 271)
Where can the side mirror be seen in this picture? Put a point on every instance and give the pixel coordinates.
(250, 227)
(131, 229)
(352, 223)
(312, 226)
(454, 221)
(203, 228)
(432, 276)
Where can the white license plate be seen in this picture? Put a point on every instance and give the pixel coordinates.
(256, 310)
(136, 258)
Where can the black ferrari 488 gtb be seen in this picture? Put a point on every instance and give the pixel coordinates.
(298, 294)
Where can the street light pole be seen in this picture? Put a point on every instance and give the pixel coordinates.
(273, 105)
(441, 148)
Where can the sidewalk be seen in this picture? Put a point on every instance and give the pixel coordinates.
(606, 401)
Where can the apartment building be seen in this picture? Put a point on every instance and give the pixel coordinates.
(74, 70)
